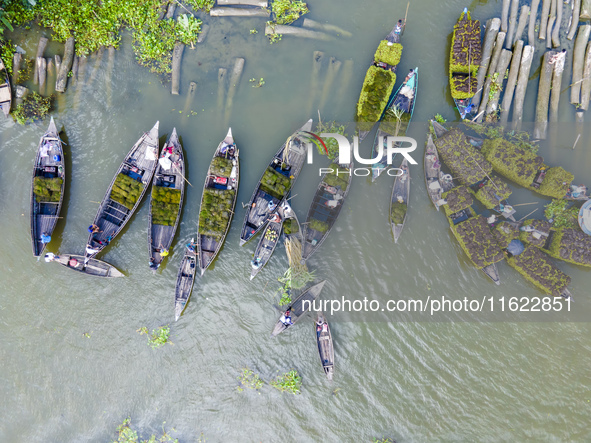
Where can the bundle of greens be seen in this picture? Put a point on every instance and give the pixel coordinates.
(216, 212)
(165, 205)
(126, 190)
(47, 189)
(275, 183)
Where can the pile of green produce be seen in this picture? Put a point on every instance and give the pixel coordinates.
(464, 57)
(556, 182)
(375, 93)
(464, 161)
(388, 53)
(395, 121)
(561, 215)
(33, 107)
(463, 86)
(538, 269)
(165, 205)
(504, 233)
(275, 183)
(318, 225)
(477, 241)
(290, 226)
(216, 212)
(490, 195)
(457, 198)
(47, 189)
(539, 238)
(571, 245)
(338, 177)
(126, 190)
(398, 212)
(221, 166)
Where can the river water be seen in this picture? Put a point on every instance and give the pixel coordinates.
(73, 365)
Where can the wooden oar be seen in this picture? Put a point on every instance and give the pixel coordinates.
(525, 204)
(179, 171)
(525, 216)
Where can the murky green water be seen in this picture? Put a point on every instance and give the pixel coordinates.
(412, 381)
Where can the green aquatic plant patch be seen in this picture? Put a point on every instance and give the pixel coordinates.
(398, 213)
(571, 245)
(290, 226)
(47, 189)
(289, 382)
(216, 212)
(388, 52)
(165, 205)
(561, 215)
(375, 93)
(33, 107)
(275, 183)
(318, 225)
(457, 198)
(221, 166)
(126, 190)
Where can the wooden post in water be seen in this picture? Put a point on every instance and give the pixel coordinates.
(512, 24)
(544, 19)
(511, 81)
(314, 81)
(40, 49)
(586, 83)
(531, 27)
(549, 26)
(541, 125)
(58, 63)
(170, 10)
(498, 78)
(41, 73)
(578, 61)
(333, 69)
(203, 33)
(234, 80)
(492, 29)
(527, 57)
(16, 67)
(523, 19)
(491, 70)
(221, 87)
(177, 56)
(574, 19)
(505, 15)
(557, 23)
(558, 68)
(62, 75)
(51, 75)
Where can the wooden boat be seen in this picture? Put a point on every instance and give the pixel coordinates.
(185, 280)
(221, 187)
(292, 230)
(432, 167)
(168, 186)
(269, 240)
(399, 200)
(97, 268)
(47, 188)
(325, 209)
(5, 91)
(296, 310)
(584, 217)
(135, 173)
(325, 345)
(266, 198)
(395, 119)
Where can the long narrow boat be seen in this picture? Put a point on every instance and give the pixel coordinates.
(5, 92)
(325, 345)
(399, 201)
(292, 231)
(97, 268)
(326, 207)
(275, 184)
(296, 310)
(47, 188)
(168, 192)
(185, 280)
(379, 81)
(395, 119)
(220, 192)
(268, 241)
(432, 167)
(125, 192)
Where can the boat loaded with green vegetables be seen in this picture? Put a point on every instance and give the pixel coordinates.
(47, 188)
(125, 192)
(217, 203)
(275, 184)
(379, 82)
(168, 191)
(297, 309)
(269, 240)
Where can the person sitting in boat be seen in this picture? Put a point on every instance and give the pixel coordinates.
(256, 263)
(275, 218)
(45, 238)
(578, 191)
(153, 264)
(286, 318)
(491, 220)
(49, 257)
(272, 206)
(94, 229)
(163, 251)
(90, 250)
(191, 246)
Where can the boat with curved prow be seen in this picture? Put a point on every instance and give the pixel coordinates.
(220, 192)
(166, 202)
(432, 167)
(395, 120)
(185, 279)
(295, 311)
(47, 188)
(275, 184)
(125, 192)
(325, 345)
(94, 267)
(5, 91)
(399, 201)
(326, 207)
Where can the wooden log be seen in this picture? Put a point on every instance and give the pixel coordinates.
(505, 15)
(62, 76)
(326, 27)
(551, 21)
(541, 118)
(334, 66)
(586, 83)
(170, 10)
(317, 58)
(234, 80)
(574, 23)
(41, 74)
(177, 56)
(51, 75)
(557, 70)
(531, 27)
(511, 81)
(544, 19)
(203, 33)
(492, 30)
(259, 3)
(298, 32)
(498, 78)
(239, 12)
(578, 61)
(221, 87)
(527, 57)
(585, 12)
(40, 49)
(523, 19)
(512, 24)
(491, 70)
(190, 96)
(58, 62)
(557, 23)
(16, 66)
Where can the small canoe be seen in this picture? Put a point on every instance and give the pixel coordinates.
(97, 268)
(325, 345)
(185, 280)
(432, 167)
(5, 92)
(292, 232)
(399, 201)
(219, 191)
(168, 192)
(275, 184)
(395, 120)
(125, 192)
(297, 309)
(47, 188)
(326, 207)
(268, 241)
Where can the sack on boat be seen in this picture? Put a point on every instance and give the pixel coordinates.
(165, 163)
(151, 153)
